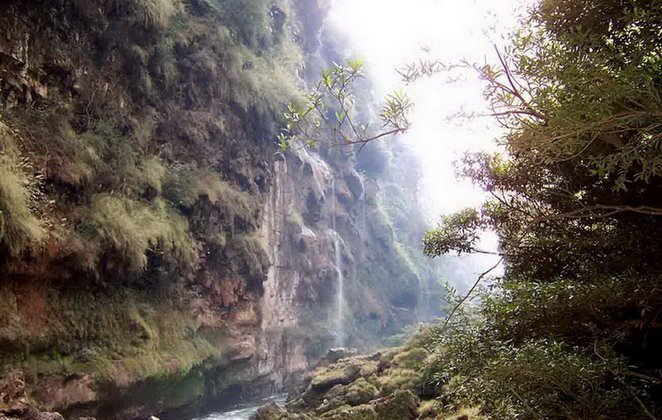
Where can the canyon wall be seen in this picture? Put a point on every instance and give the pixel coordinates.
(158, 253)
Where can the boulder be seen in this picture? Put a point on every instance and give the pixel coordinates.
(335, 354)
(325, 378)
(357, 393)
(272, 411)
(401, 405)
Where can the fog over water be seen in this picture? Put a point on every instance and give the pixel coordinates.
(387, 35)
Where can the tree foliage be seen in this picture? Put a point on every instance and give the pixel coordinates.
(330, 108)
(575, 198)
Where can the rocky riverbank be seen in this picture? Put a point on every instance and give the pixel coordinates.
(390, 384)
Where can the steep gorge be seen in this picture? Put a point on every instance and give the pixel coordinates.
(157, 254)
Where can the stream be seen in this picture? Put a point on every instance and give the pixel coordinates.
(243, 411)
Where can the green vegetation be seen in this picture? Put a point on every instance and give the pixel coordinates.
(146, 13)
(19, 227)
(249, 19)
(104, 178)
(329, 111)
(120, 333)
(184, 186)
(128, 184)
(571, 330)
(133, 229)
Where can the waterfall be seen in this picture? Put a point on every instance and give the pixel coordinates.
(340, 298)
(339, 322)
(362, 224)
(333, 205)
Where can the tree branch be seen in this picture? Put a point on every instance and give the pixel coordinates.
(457, 306)
(513, 88)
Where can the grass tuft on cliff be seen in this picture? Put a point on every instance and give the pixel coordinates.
(20, 228)
(134, 229)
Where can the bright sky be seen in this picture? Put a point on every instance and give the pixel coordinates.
(387, 34)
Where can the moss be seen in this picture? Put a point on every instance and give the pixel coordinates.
(408, 265)
(359, 392)
(262, 81)
(232, 201)
(398, 378)
(149, 62)
(143, 14)
(463, 414)
(413, 358)
(339, 373)
(121, 334)
(369, 368)
(387, 357)
(425, 337)
(184, 186)
(174, 390)
(362, 412)
(399, 406)
(218, 239)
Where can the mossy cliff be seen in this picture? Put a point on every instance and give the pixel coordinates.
(156, 253)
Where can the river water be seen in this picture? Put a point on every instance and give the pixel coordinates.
(243, 411)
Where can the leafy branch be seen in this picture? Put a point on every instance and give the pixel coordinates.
(329, 110)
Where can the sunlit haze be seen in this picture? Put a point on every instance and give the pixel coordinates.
(388, 34)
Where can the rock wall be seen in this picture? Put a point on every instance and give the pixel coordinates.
(322, 216)
(157, 254)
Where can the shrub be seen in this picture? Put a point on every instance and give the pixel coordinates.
(580, 313)
(534, 380)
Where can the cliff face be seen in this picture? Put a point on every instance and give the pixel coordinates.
(156, 253)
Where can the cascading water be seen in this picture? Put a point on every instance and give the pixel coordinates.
(362, 213)
(340, 304)
(340, 296)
